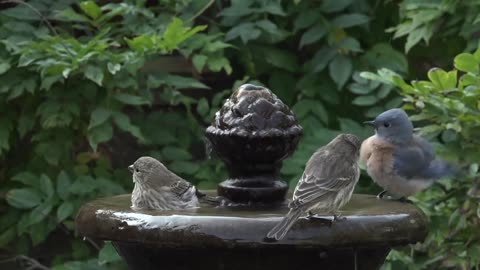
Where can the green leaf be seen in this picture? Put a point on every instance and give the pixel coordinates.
(24, 198)
(27, 178)
(349, 20)
(91, 9)
(313, 34)
(99, 134)
(185, 167)
(203, 107)
(306, 106)
(330, 6)
(365, 100)
(131, 99)
(99, 116)
(7, 236)
(4, 66)
(63, 185)
(108, 254)
(443, 80)
(340, 70)
(306, 19)
(94, 74)
(176, 33)
(46, 186)
(175, 153)
(123, 122)
(246, 32)
(466, 62)
(280, 58)
(113, 68)
(199, 61)
(39, 213)
(64, 211)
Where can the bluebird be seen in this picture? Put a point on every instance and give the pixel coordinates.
(326, 185)
(399, 161)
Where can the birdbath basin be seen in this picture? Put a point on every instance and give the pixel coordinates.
(233, 238)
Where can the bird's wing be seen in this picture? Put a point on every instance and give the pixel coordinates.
(332, 174)
(410, 160)
(180, 187)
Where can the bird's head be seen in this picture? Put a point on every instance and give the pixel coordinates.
(393, 125)
(347, 139)
(143, 167)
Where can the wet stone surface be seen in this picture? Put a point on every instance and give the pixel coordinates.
(369, 222)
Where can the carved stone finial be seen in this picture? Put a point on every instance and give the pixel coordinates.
(252, 133)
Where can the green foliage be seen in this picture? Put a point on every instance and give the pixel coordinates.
(424, 19)
(86, 88)
(448, 105)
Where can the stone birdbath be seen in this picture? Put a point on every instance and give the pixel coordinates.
(252, 134)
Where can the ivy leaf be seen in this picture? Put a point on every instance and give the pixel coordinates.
(94, 74)
(340, 70)
(99, 134)
(24, 198)
(98, 117)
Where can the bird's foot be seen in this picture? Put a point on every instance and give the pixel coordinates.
(381, 194)
(312, 217)
(337, 218)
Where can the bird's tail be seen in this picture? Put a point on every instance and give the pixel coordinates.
(215, 201)
(439, 169)
(281, 229)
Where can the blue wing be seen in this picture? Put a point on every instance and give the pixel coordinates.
(417, 160)
(412, 160)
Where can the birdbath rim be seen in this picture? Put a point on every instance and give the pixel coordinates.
(369, 222)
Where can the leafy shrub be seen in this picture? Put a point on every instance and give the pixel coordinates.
(86, 88)
(448, 102)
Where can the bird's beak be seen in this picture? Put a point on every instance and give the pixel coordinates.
(370, 123)
(130, 168)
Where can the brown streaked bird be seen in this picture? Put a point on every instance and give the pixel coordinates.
(327, 183)
(158, 188)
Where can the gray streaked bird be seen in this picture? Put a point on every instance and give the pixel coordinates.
(399, 161)
(327, 182)
(158, 188)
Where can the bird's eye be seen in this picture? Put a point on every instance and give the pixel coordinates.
(137, 170)
(386, 124)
